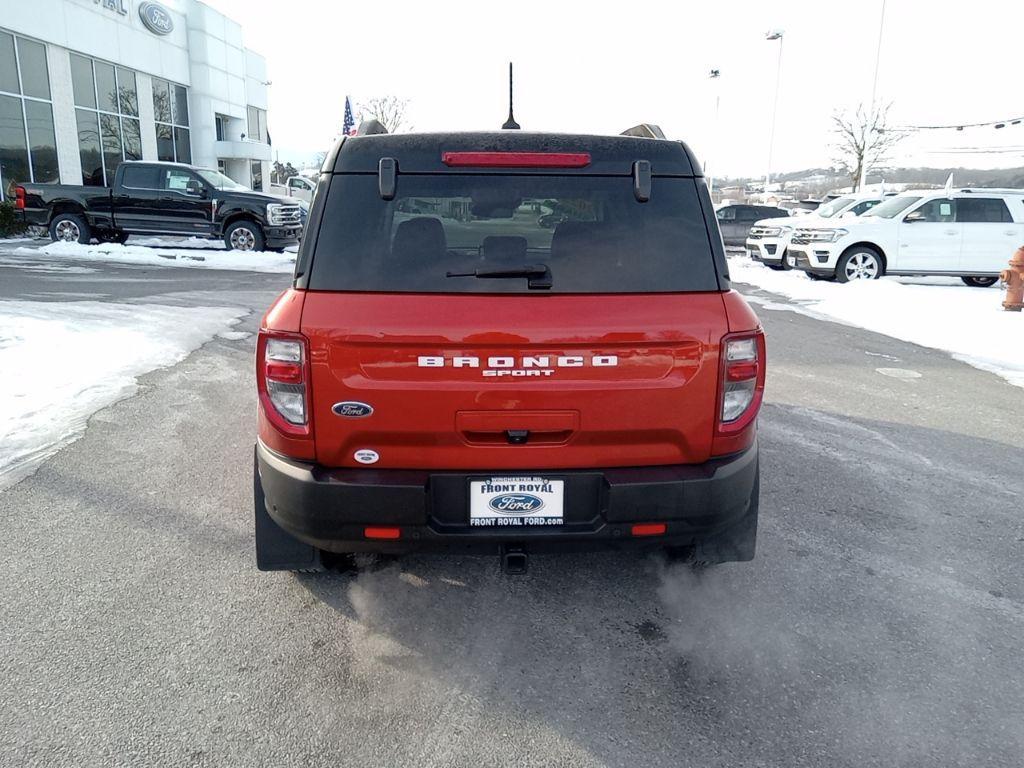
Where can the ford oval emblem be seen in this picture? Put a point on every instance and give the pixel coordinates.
(352, 409)
(156, 18)
(516, 504)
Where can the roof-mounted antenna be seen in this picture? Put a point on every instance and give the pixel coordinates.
(510, 124)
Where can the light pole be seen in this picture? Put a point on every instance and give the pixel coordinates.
(714, 74)
(775, 34)
(874, 91)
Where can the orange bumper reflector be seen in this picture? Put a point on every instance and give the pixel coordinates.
(382, 533)
(649, 529)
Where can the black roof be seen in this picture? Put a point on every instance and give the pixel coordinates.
(421, 152)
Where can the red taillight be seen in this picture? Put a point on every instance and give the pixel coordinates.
(19, 198)
(741, 390)
(289, 373)
(516, 159)
(382, 533)
(649, 529)
(741, 371)
(282, 377)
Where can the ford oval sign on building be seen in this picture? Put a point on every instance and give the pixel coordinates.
(156, 18)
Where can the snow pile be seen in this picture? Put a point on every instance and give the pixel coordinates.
(177, 242)
(940, 313)
(188, 256)
(62, 362)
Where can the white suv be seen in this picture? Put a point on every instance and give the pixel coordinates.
(965, 233)
(769, 238)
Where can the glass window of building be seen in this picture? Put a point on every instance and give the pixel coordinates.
(257, 124)
(222, 126)
(81, 81)
(42, 142)
(106, 87)
(170, 109)
(28, 148)
(89, 147)
(161, 101)
(35, 75)
(107, 111)
(127, 92)
(8, 65)
(256, 173)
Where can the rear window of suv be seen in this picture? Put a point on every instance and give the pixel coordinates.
(589, 231)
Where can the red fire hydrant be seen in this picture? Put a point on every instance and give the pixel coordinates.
(1014, 280)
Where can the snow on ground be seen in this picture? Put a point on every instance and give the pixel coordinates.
(185, 254)
(62, 362)
(188, 242)
(44, 265)
(178, 242)
(941, 313)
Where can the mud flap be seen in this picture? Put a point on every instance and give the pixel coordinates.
(739, 542)
(277, 550)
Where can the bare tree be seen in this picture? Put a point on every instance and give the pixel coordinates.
(863, 139)
(389, 110)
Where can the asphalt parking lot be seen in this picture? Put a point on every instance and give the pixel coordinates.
(880, 625)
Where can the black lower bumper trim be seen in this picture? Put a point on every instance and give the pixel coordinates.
(803, 263)
(330, 508)
(282, 236)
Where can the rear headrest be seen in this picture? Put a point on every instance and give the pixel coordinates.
(572, 234)
(420, 238)
(504, 248)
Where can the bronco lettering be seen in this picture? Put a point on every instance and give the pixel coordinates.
(512, 366)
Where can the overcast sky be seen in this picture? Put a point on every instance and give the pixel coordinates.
(601, 67)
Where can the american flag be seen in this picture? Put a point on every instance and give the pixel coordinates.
(349, 127)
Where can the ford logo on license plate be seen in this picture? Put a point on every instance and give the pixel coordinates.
(516, 504)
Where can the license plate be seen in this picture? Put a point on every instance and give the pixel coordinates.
(515, 501)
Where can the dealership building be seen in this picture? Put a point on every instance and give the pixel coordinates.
(87, 84)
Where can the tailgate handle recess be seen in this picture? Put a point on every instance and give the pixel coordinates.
(517, 427)
(517, 436)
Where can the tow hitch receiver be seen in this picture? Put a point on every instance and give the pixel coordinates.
(513, 560)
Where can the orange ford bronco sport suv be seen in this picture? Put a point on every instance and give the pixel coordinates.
(508, 342)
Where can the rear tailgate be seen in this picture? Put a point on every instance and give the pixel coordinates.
(513, 320)
(596, 381)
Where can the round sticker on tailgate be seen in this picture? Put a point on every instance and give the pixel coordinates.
(366, 456)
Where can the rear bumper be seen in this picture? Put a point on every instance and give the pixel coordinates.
(330, 508)
(38, 217)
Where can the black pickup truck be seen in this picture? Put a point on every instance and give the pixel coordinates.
(157, 198)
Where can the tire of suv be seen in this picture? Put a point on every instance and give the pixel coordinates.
(70, 228)
(859, 263)
(980, 282)
(244, 235)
